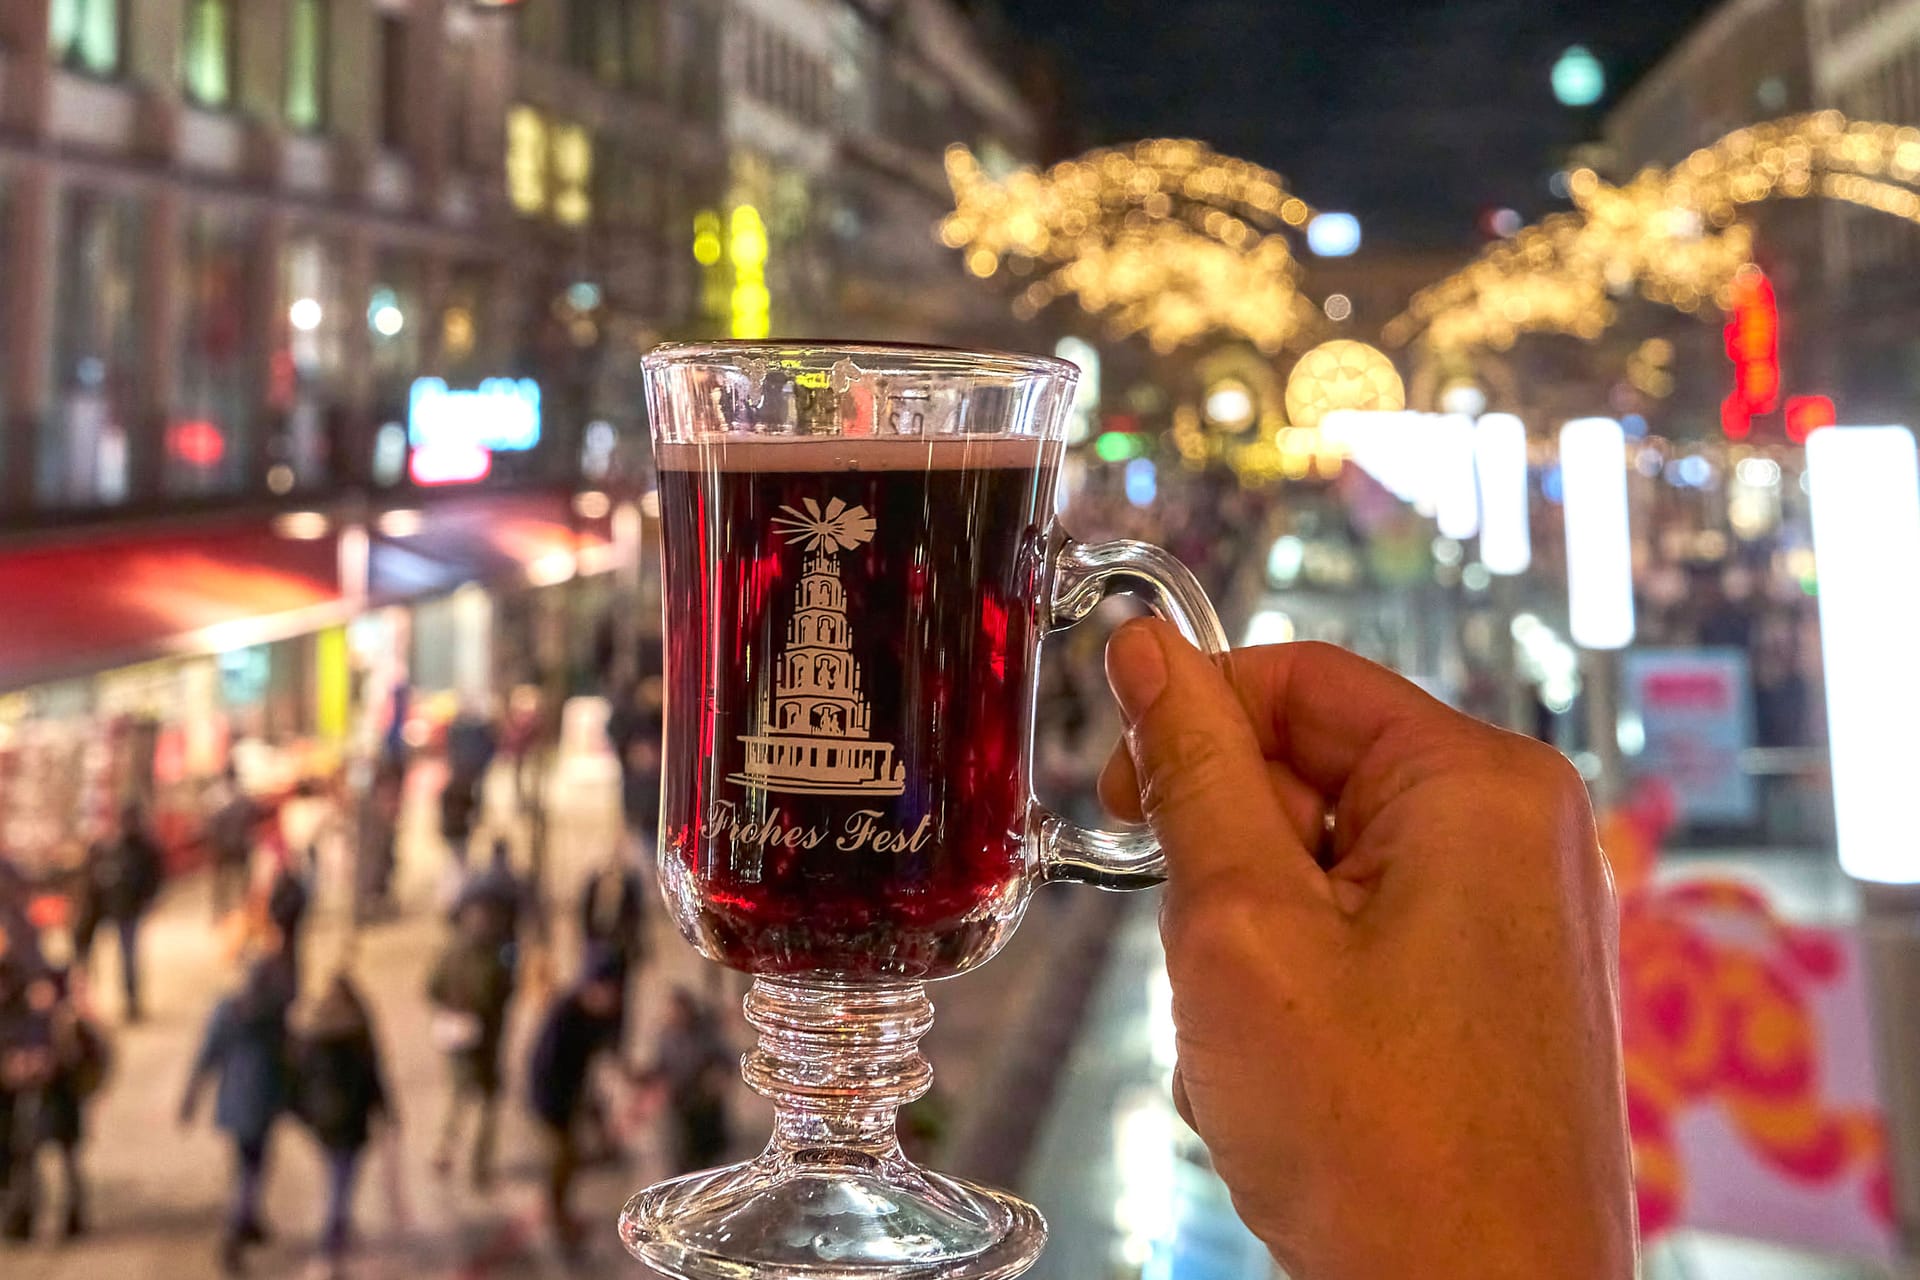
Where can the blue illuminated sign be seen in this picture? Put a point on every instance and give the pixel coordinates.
(501, 415)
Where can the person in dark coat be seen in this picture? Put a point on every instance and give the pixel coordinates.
(694, 1067)
(339, 1092)
(287, 902)
(579, 1025)
(470, 989)
(72, 1065)
(19, 1065)
(245, 1051)
(613, 923)
(505, 899)
(26, 1069)
(123, 878)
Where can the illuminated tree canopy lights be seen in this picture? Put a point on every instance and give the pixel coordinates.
(1674, 235)
(1165, 239)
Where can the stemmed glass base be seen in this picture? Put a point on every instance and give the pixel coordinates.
(833, 1197)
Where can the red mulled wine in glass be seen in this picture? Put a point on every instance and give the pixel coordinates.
(860, 558)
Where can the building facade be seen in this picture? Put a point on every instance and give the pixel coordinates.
(1846, 313)
(235, 232)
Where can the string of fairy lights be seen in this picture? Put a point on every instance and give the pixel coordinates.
(1672, 235)
(1172, 242)
(1165, 239)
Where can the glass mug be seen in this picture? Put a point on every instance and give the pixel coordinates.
(860, 558)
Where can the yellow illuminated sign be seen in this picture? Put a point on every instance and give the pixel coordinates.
(751, 306)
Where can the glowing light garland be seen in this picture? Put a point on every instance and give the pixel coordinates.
(1165, 239)
(1674, 235)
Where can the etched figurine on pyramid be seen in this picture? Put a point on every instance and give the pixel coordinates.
(813, 732)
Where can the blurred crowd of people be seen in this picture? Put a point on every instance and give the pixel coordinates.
(288, 1048)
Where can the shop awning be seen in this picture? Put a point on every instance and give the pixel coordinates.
(487, 539)
(92, 602)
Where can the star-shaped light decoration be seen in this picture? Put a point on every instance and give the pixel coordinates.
(838, 528)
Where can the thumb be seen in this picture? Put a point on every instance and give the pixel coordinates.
(1204, 786)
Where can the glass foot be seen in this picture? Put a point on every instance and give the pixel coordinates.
(833, 1197)
(759, 1221)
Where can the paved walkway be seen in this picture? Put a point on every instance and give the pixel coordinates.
(158, 1191)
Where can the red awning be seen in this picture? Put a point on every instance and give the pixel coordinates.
(97, 601)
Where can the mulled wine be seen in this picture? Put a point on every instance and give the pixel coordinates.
(852, 630)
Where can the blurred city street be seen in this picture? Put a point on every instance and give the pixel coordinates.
(490, 487)
(159, 1189)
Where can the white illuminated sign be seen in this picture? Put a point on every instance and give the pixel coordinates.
(1423, 459)
(501, 415)
(1500, 460)
(1456, 502)
(1865, 484)
(1593, 471)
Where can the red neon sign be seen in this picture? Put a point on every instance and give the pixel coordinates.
(198, 443)
(1753, 344)
(1807, 414)
(450, 464)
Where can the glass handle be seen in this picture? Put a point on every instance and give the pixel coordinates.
(1084, 575)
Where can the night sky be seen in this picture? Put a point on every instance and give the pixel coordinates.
(1415, 116)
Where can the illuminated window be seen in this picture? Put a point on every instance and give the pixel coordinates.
(572, 174)
(306, 104)
(549, 167)
(527, 160)
(208, 67)
(85, 35)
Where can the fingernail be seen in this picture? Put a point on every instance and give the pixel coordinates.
(1136, 669)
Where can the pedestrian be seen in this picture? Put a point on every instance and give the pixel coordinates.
(245, 1051)
(634, 728)
(287, 900)
(339, 1093)
(580, 1024)
(613, 923)
(230, 840)
(470, 989)
(26, 1067)
(694, 1067)
(378, 825)
(505, 899)
(471, 744)
(459, 799)
(123, 879)
(74, 1068)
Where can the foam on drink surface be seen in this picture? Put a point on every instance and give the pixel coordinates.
(853, 453)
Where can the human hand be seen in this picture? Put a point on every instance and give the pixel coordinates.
(1399, 1038)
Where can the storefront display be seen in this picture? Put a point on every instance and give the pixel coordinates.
(211, 438)
(82, 455)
